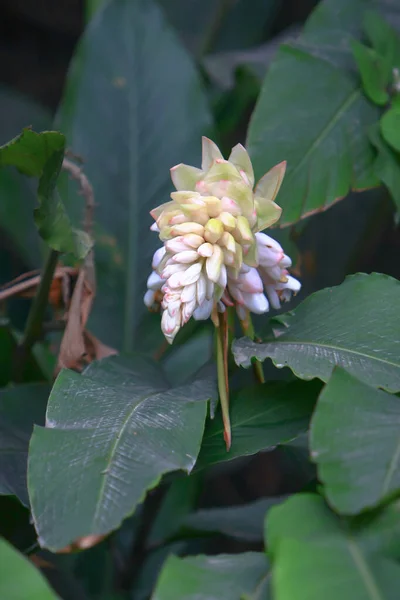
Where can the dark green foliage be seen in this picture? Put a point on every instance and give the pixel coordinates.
(115, 479)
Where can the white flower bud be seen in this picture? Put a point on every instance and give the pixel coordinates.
(149, 298)
(203, 312)
(170, 325)
(205, 249)
(185, 257)
(158, 256)
(177, 244)
(155, 282)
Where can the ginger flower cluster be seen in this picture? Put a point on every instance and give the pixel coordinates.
(213, 254)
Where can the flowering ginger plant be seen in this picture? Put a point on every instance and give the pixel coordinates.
(214, 255)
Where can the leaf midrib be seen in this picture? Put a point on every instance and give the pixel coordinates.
(113, 451)
(329, 346)
(325, 131)
(362, 567)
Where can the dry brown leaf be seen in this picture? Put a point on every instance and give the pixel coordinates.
(73, 351)
(82, 543)
(95, 349)
(40, 562)
(27, 287)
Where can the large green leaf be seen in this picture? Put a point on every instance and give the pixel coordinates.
(115, 429)
(352, 325)
(261, 417)
(221, 577)
(316, 555)
(359, 465)
(328, 152)
(20, 408)
(133, 108)
(19, 579)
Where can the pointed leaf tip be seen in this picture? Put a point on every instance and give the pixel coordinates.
(210, 153)
(241, 159)
(185, 177)
(269, 185)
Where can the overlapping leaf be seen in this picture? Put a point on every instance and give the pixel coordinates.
(115, 430)
(353, 325)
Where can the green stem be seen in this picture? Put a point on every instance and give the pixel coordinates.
(248, 329)
(222, 367)
(34, 323)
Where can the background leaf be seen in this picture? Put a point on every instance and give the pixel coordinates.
(19, 579)
(261, 417)
(117, 428)
(245, 522)
(20, 408)
(210, 577)
(351, 325)
(178, 503)
(152, 114)
(359, 465)
(331, 154)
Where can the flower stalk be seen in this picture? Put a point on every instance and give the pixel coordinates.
(222, 343)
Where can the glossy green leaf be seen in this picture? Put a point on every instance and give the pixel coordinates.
(134, 107)
(244, 522)
(316, 555)
(390, 127)
(359, 465)
(328, 154)
(262, 417)
(351, 325)
(19, 579)
(41, 155)
(374, 74)
(221, 577)
(20, 408)
(387, 164)
(116, 429)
